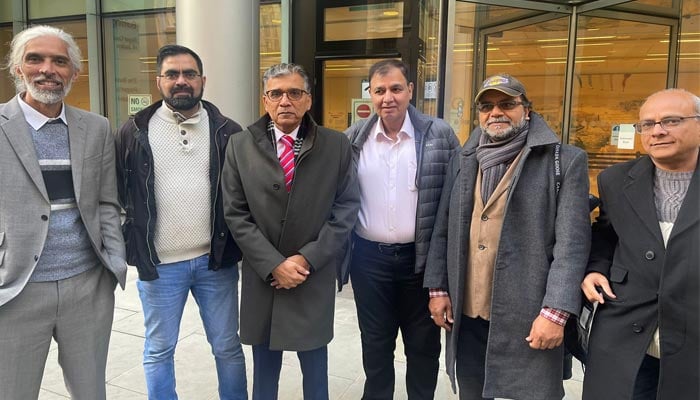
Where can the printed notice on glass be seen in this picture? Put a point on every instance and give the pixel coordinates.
(625, 137)
(138, 102)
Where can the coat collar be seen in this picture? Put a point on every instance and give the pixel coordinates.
(261, 137)
(639, 192)
(688, 215)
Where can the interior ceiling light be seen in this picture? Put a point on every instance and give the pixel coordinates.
(390, 13)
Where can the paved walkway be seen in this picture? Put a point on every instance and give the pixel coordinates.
(194, 364)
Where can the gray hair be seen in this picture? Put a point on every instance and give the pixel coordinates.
(283, 69)
(19, 44)
(695, 99)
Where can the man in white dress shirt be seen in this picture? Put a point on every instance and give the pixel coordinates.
(401, 157)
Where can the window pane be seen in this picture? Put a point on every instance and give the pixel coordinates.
(618, 64)
(689, 57)
(130, 61)
(5, 11)
(363, 22)
(344, 97)
(7, 87)
(427, 85)
(128, 5)
(49, 8)
(270, 39)
(459, 104)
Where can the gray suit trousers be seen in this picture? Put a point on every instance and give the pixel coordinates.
(77, 312)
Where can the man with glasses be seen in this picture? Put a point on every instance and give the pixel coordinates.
(61, 252)
(644, 264)
(291, 200)
(401, 158)
(510, 244)
(169, 161)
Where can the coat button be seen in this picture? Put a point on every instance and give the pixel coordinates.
(36, 258)
(636, 328)
(649, 255)
(484, 218)
(482, 247)
(276, 186)
(44, 218)
(222, 235)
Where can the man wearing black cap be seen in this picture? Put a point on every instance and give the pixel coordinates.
(510, 244)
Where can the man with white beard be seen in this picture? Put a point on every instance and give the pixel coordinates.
(510, 245)
(61, 249)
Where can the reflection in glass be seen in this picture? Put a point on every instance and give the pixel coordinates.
(130, 5)
(130, 61)
(364, 22)
(427, 83)
(689, 52)
(7, 87)
(344, 82)
(270, 40)
(49, 8)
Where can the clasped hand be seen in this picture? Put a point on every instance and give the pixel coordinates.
(291, 273)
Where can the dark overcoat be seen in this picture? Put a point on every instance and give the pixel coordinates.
(654, 285)
(541, 258)
(314, 220)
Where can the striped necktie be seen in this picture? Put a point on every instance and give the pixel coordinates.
(287, 160)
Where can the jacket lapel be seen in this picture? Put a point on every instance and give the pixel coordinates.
(15, 127)
(77, 135)
(639, 191)
(688, 214)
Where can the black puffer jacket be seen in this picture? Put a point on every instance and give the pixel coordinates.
(136, 191)
(435, 144)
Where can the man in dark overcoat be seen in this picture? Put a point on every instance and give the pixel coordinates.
(645, 262)
(291, 199)
(510, 243)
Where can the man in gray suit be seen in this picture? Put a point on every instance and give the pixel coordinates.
(61, 249)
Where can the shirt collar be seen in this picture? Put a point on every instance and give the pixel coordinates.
(407, 130)
(34, 118)
(279, 134)
(174, 117)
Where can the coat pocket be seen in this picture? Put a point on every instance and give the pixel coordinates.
(618, 274)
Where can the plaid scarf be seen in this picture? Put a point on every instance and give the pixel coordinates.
(297, 143)
(495, 158)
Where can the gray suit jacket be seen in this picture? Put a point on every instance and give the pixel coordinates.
(25, 205)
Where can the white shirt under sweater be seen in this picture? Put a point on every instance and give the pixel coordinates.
(388, 193)
(182, 186)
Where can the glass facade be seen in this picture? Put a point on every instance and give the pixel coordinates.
(587, 68)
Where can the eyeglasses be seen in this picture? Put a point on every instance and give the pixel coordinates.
(173, 75)
(505, 105)
(292, 94)
(647, 126)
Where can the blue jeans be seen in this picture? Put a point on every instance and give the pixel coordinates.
(268, 363)
(163, 301)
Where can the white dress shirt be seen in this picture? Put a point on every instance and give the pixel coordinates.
(36, 119)
(278, 136)
(388, 192)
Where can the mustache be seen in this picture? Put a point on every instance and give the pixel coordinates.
(45, 77)
(495, 120)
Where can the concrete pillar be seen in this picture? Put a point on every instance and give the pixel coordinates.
(225, 34)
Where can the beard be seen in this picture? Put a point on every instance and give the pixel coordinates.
(182, 103)
(497, 135)
(43, 95)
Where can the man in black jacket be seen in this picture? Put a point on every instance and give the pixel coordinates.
(169, 159)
